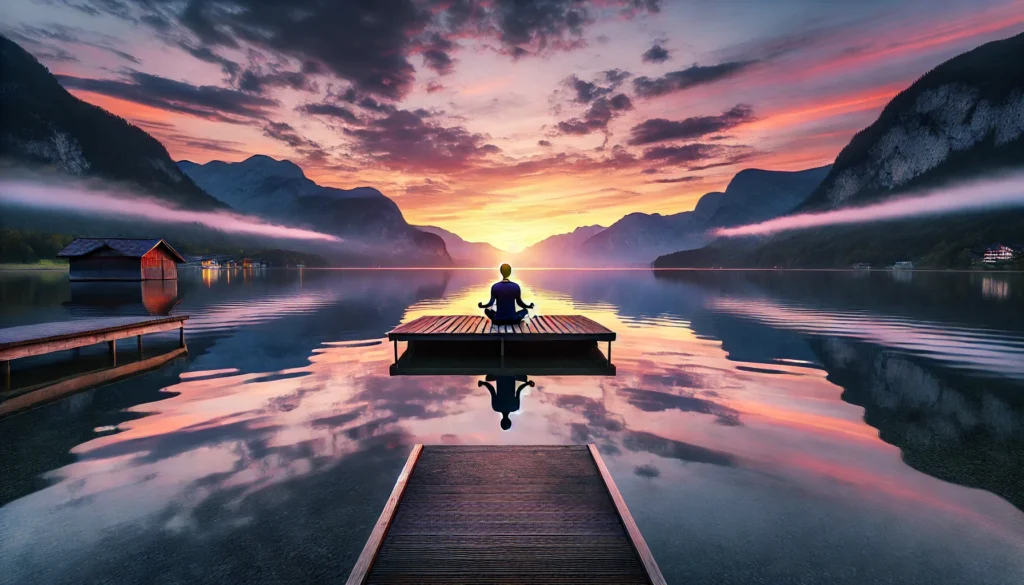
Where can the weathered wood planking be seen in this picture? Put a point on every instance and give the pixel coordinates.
(478, 328)
(510, 514)
(43, 338)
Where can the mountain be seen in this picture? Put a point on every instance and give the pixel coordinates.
(467, 254)
(43, 124)
(554, 250)
(752, 195)
(963, 119)
(278, 190)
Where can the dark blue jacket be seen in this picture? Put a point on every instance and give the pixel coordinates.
(507, 294)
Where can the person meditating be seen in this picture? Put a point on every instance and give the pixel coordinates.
(507, 294)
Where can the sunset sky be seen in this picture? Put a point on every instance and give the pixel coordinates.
(506, 121)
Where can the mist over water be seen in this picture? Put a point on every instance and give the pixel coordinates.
(986, 195)
(111, 202)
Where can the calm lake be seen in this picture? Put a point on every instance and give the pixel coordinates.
(763, 427)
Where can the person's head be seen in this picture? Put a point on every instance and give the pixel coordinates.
(506, 270)
(506, 422)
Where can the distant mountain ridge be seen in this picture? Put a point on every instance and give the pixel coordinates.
(279, 191)
(467, 254)
(559, 247)
(752, 195)
(43, 124)
(961, 120)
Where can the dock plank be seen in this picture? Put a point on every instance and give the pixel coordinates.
(504, 514)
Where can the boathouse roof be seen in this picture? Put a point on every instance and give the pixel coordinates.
(128, 247)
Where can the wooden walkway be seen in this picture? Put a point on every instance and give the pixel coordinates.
(524, 514)
(475, 328)
(43, 338)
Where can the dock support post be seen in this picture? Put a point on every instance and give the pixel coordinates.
(181, 336)
(7, 374)
(112, 348)
(609, 352)
(140, 346)
(503, 352)
(396, 351)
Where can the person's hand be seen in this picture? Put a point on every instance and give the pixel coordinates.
(479, 383)
(532, 383)
(481, 305)
(531, 306)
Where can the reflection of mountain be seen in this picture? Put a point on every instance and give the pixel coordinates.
(964, 433)
(279, 191)
(961, 119)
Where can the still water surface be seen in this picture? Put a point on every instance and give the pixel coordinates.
(763, 427)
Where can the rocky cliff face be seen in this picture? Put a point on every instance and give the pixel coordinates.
(44, 125)
(467, 254)
(279, 191)
(963, 118)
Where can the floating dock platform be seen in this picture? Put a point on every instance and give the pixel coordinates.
(505, 514)
(44, 338)
(547, 333)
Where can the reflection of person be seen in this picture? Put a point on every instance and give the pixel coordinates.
(507, 295)
(505, 398)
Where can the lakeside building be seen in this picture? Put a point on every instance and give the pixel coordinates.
(121, 259)
(903, 265)
(999, 253)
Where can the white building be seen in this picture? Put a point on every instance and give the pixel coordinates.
(998, 253)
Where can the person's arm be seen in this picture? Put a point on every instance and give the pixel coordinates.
(489, 303)
(489, 388)
(519, 300)
(531, 384)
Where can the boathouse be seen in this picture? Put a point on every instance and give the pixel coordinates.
(122, 259)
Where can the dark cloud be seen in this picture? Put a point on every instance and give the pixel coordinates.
(436, 54)
(331, 110)
(49, 37)
(205, 101)
(285, 133)
(687, 78)
(660, 129)
(597, 116)
(369, 43)
(544, 143)
(588, 91)
(404, 140)
(229, 67)
(255, 81)
(686, 155)
(434, 87)
(686, 179)
(656, 54)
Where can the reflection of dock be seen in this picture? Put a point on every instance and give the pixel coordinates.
(470, 331)
(524, 514)
(441, 361)
(44, 338)
(38, 394)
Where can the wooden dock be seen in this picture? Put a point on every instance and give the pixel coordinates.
(44, 338)
(475, 328)
(508, 514)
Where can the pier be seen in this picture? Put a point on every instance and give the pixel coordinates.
(44, 338)
(505, 514)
